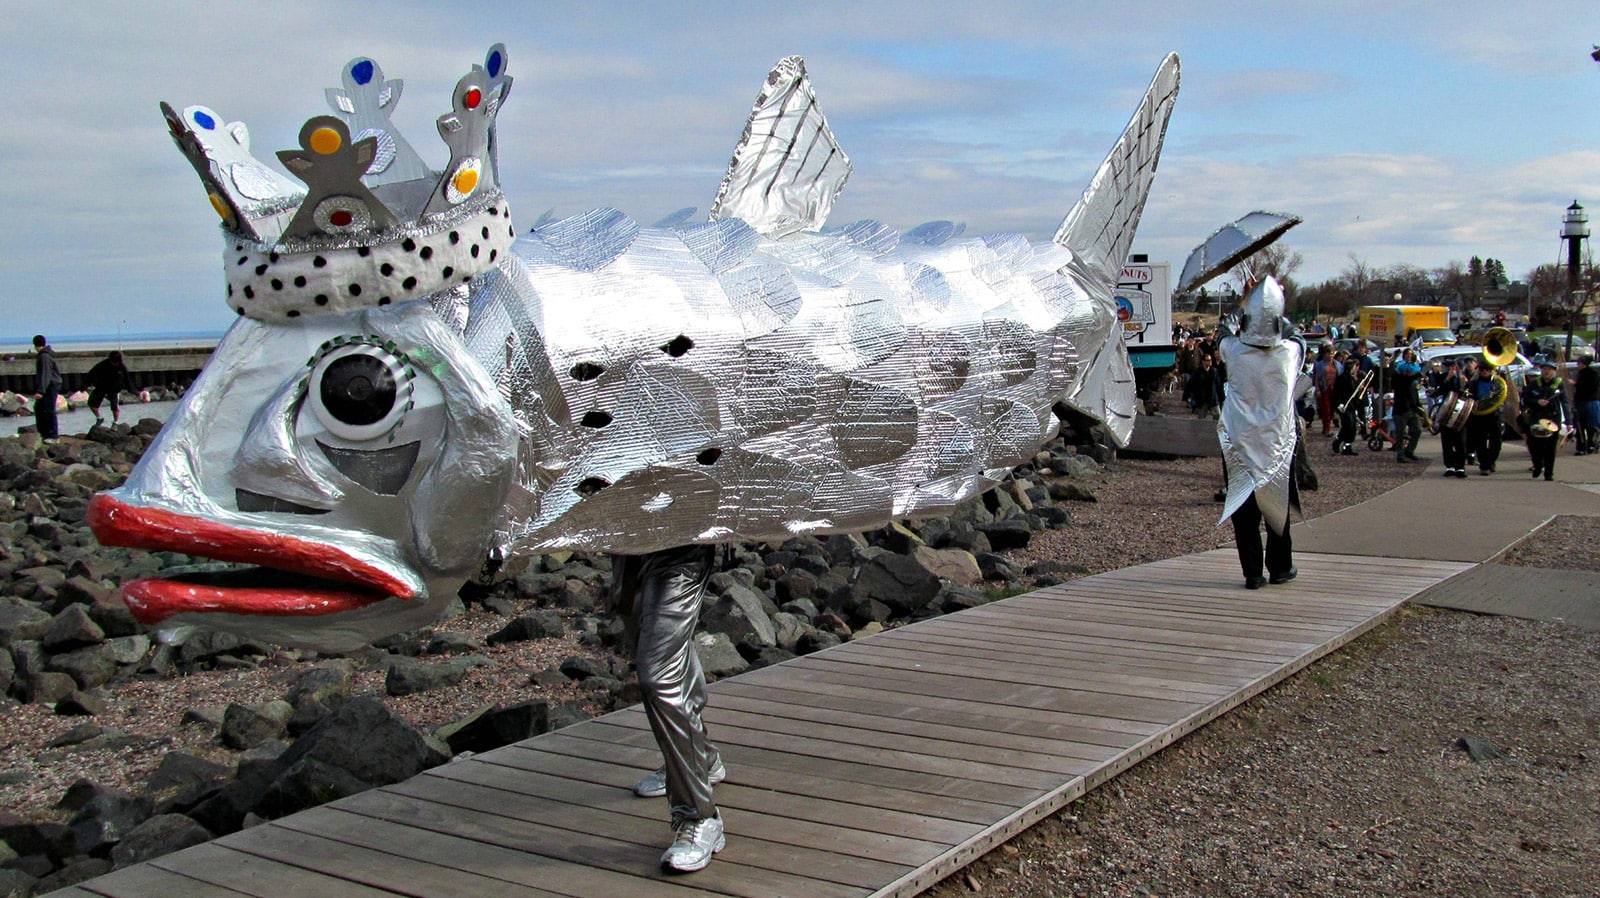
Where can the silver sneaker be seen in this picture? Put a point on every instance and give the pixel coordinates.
(695, 843)
(654, 785)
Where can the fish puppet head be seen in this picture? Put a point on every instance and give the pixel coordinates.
(341, 455)
(1260, 321)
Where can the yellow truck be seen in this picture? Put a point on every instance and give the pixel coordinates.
(1395, 325)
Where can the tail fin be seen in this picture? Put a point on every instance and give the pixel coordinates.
(1099, 229)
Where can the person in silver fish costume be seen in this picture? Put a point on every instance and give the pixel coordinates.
(412, 386)
(1258, 430)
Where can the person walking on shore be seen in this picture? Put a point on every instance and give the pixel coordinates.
(1258, 432)
(1489, 391)
(108, 377)
(1544, 407)
(1407, 409)
(46, 388)
(1586, 406)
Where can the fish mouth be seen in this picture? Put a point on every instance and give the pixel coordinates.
(290, 576)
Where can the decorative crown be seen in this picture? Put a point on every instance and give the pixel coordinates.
(373, 224)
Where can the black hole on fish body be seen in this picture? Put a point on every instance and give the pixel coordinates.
(238, 311)
(386, 269)
(448, 271)
(678, 346)
(588, 486)
(322, 299)
(261, 269)
(277, 284)
(319, 262)
(355, 289)
(408, 245)
(363, 251)
(293, 313)
(493, 254)
(230, 289)
(596, 419)
(427, 253)
(358, 389)
(384, 300)
(486, 232)
(708, 456)
(273, 258)
(409, 283)
(475, 250)
(455, 237)
(299, 280)
(249, 292)
(586, 371)
(243, 259)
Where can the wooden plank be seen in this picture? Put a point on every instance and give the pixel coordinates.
(456, 852)
(750, 866)
(143, 880)
(222, 865)
(581, 758)
(387, 860)
(870, 834)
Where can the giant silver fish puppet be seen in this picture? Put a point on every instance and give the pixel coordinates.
(1257, 427)
(411, 386)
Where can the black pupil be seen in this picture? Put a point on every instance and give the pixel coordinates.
(358, 389)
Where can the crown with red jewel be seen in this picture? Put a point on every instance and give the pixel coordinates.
(372, 224)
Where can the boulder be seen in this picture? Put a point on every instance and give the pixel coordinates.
(538, 625)
(128, 650)
(81, 702)
(74, 872)
(21, 620)
(1071, 491)
(16, 883)
(306, 783)
(955, 565)
(408, 676)
(89, 667)
(364, 738)
(1010, 533)
(246, 726)
(161, 834)
(900, 582)
(50, 687)
(718, 656)
(71, 629)
(493, 726)
(740, 614)
(451, 642)
(106, 819)
(182, 781)
(326, 683)
(579, 668)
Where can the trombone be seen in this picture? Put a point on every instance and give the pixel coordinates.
(1360, 391)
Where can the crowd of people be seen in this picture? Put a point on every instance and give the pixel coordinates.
(1471, 404)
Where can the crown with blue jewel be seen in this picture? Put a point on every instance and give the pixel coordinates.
(371, 224)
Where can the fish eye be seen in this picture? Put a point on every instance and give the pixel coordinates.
(359, 390)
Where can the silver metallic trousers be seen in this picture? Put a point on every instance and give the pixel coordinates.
(659, 597)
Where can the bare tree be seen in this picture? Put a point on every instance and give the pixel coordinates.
(1357, 277)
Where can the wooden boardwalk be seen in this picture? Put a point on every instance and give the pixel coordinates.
(874, 768)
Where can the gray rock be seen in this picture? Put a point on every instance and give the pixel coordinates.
(80, 870)
(306, 783)
(89, 667)
(77, 735)
(161, 834)
(106, 819)
(901, 583)
(204, 715)
(797, 584)
(538, 625)
(998, 567)
(323, 682)
(740, 614)
(1479, 749)
(368, 741)
(451, 642)
(8, 671)
(80, 590)
(408, 676)
(128, 650)
(15, 883)
(20, 620)
(1010, 533)
(50, 687)
(493, 726)
(81, 702)
(82, 790)
(246, 726)
(71, 629)
(956, 565)
(1071, 491)
(580, 669)
(788, 629)
(112, 616)
(183, 781)
(954, 597)
(718, 656)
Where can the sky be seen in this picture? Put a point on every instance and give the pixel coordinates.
(1401, 132)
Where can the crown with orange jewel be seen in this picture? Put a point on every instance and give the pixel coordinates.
(372, 224)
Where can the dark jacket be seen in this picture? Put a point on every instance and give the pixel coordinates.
(1405, 377)
(1539, 389)
(47, 373)
(109, 376)
(1587, 386)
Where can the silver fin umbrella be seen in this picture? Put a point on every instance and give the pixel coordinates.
(1231, 244)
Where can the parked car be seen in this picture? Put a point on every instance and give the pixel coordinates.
(1554, 345)
(1348, 344)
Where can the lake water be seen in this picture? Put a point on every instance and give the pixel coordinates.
(77, 421)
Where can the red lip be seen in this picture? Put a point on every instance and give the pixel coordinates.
(355, 583)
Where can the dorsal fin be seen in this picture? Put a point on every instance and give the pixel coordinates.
(787, 168)
(1099, 229)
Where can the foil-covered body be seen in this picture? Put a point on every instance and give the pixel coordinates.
(1257, 427)
(703, 384)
